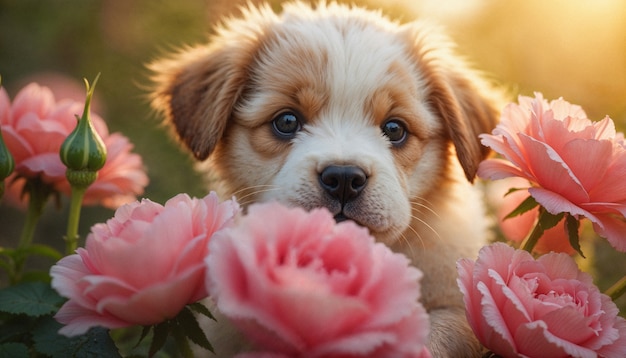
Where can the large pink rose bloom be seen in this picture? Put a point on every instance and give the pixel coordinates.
(141, 267)
(522, 307)
(299, 285)
(35, 125)
(575, 165)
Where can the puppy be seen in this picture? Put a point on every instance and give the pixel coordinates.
(338, 107)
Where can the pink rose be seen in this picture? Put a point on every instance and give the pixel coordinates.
(522, 307)
(299, 285)
(574, 165)
(141, 267)
(35, 126)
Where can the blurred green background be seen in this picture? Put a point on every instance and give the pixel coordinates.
(570, 48)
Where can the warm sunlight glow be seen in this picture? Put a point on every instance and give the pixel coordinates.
(574, 49)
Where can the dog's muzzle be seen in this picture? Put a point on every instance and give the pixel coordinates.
(343, 183)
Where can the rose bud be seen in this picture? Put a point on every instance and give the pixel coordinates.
(83, 152)
(7, 164)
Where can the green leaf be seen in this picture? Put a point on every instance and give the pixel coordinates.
(161, 331)
(7, 252)
(526, 205)
(41, 250)
(6, 263)
(571, 227)
(95, 343)
(36, 276)
(200, 308)
(30, 298)
(15, 328)
(13, 350)
(192, 329)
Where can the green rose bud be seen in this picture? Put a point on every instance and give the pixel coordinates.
(83, 151)
(7, 164)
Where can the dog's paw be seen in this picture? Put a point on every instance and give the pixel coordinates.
(451, 336)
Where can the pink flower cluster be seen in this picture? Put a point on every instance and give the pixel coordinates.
(35, 125)
(521, 307)
(300, 285)
(295, 283)
(141, 267)
(574, 165)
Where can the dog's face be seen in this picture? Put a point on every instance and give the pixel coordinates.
(332, 107)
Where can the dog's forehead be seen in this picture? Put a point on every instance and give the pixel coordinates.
(346, 51)
(345, 64)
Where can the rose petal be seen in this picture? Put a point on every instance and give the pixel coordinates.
(315, 287)
(107, 282)
(536, 308)
(535, 340)
(78, 320)
(617, 348)
(551, 172)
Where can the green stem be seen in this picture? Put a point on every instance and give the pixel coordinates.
(38, 195)
(71, 239)
(28, 231)
(617, 290)
(535, 235)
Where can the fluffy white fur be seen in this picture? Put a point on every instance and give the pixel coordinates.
(344, 71)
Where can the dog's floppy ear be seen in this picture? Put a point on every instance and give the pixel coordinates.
(467, 105)
(198, 88)
(467, 110)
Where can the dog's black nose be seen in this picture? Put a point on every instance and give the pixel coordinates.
(343, 182)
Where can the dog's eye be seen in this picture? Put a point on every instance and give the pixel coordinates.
(394, 130)
(286, 125)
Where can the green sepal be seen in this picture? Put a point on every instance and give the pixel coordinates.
(144, 333)
(192, 329)
(182, 343)
(200, 308)
(571, 227)
(81, 178)
(545, 221)
(161, 331)
(548, 220)
(525, 206)
(182, 328)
